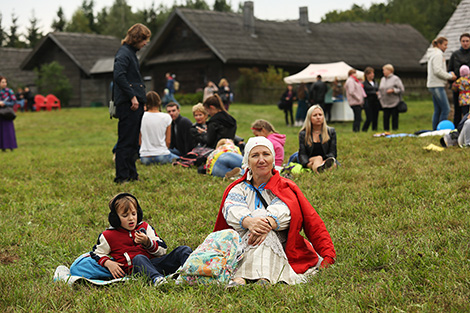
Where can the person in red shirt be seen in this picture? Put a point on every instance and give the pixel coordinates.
(131, 246)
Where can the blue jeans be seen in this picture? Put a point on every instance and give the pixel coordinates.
(161, 266)
(159, 159)
(441, 105)
(225, 163)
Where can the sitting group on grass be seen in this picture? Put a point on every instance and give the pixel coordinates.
(165, 138)
(267, 211)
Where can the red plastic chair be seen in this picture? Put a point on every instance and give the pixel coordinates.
(52, 102)
(40, 102)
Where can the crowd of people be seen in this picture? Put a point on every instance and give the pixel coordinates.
(266, 209)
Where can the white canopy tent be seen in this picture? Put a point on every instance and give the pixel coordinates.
(341, 111)
(328, 72)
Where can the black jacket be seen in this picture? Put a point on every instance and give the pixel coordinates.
(221, 125)
(306, 151)
(457, 59)
(198, 138)
(127, 79)
(371, 92)
(181, 135)
(318, 93)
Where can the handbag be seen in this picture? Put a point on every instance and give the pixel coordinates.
(7, 113)
(112, 109)
(402, 107)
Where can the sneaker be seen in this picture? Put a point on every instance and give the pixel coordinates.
(233, 173)
(160, 281)
(329, 162)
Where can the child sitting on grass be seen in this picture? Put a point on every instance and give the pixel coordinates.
(462, 85)
(131, 246)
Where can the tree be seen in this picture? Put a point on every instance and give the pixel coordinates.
(78, 23)
(87, 8)
(59, 24)
(3, 34)
(426, 16)
(222, 6)
(196, 4)
(154, 18)
(50, 79)
(119, 19)
(34, 35)
(13, 38)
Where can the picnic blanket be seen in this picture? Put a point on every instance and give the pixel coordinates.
(62, 273)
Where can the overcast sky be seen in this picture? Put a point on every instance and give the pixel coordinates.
(46, 10)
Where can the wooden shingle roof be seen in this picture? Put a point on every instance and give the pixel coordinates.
(10, 60)
(289, 43)
(458, 24)
(84, 49)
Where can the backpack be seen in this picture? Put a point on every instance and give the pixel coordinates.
(214, 261)
(195, 157)
(176, 85)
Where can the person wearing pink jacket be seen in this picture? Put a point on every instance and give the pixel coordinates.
(266, 129)
(355, 94)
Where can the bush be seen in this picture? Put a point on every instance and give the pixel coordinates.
(51, 80)
(253, 80)
(189, 98)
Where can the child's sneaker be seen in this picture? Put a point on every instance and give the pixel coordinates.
(160, 281)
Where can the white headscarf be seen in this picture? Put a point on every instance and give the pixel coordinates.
(254, 142)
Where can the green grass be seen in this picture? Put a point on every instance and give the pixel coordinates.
(398, 216)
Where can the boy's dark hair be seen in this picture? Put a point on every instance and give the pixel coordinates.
(119, 200)
(173, 104)
(464, 35)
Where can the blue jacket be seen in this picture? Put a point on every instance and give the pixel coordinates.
(127, 79)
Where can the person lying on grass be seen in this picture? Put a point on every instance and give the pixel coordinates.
(131, 246)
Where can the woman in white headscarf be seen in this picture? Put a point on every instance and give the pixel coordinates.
(269, 212)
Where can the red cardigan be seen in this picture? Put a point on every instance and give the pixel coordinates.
(300, 252)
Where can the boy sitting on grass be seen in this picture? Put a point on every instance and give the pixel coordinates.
(131, 246)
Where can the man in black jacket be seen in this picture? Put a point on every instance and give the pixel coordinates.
(181, 139)
(457, 59)
(129, 97)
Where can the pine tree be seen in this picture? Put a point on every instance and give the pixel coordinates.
(59, 24)
(222, 6)
(33, 32)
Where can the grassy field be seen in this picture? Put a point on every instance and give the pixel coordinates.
(398, 215)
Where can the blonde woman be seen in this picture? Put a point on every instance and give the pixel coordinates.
(317, 142)
(391, 90)
(225, 92)
(199, 129)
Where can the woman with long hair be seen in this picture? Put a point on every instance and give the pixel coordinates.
(221, 124)
(317, 142)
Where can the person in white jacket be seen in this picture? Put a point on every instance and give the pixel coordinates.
(437, 79)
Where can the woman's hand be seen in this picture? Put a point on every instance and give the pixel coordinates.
(142, 239)
(2, 104)
(255, 240)
(389, 91)
(257, 225)
(115, 268)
